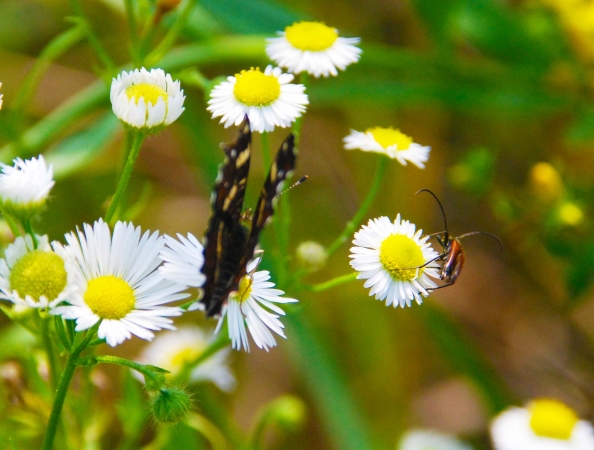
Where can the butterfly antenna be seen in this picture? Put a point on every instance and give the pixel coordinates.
(445, 221)
(302, 180)
(486, 234)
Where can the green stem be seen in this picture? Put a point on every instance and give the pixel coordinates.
(56, 47)
(126, 173)
(11, 223)
(93, 39)
(265, 151)
(333, 282)
(382, 164)
(258, 432)
(220, 342)
(51, 356)
(163, 47)
(132, 26)
(29, 230)
(304, 78)
(228, 48)
(63, 384)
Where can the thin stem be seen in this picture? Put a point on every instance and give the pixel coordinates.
(132, 26)
(49, 349)
(56, 47)
(258, 433)
(93, 39)
(382, 164)
(304, 78)
(169, 39)
(29, 230)
(11, 223)
(216, 345)
(126, 173)
(333, 282)
(63, 384)
(265, 151)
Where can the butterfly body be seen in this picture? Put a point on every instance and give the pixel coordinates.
(230, 245)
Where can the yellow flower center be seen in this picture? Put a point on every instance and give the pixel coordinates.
(312, 36)
(110, 297)
(401, 256)
(570, 214)
(39, 273)
(387, 137)
(552, 419)
(184, 356)
(149, 92)
(254, 88)
(245, 289)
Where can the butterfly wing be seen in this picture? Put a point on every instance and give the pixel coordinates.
(282, 166)
(224, 232)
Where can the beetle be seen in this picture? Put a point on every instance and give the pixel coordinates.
(452, 255)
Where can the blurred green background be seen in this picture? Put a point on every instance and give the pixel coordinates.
(495, 87)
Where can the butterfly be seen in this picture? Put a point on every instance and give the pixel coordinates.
(229, 245)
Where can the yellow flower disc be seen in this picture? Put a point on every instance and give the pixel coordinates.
(400, 256)
(245, 289)
(552, 419)
(387, 137)
(184, 356)
(39, 273)
(312, 36)
(254, 88)
(110, 297)
(149, 92)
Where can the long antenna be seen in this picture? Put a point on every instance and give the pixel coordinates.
(303, 179)
(486, 234)
(445, 222)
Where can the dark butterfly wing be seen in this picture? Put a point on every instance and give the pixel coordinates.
(224, 232)
(282, 166)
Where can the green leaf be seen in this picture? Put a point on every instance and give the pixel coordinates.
(337, 409)
(490, 27)
(251, 17)
(80, 149)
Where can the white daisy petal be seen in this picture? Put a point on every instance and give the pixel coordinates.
(542, 425)
(146, 99)
(251, 306)
(36, 275)
(117, 283)
(389, 256)
(267, 98)
(25, 186)
(424, 440)
(390, 142)
(314, 48)
(173, 350)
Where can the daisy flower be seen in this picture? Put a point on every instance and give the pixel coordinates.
(146, 99)
(172, 350)
(25, 187)
(390, 142)
(183, 261)
(544, 424)
(251, 305)
(389, 255)
(35, 277)
(314, 48)
(429, 440)
(268, 99)
(118, 283)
